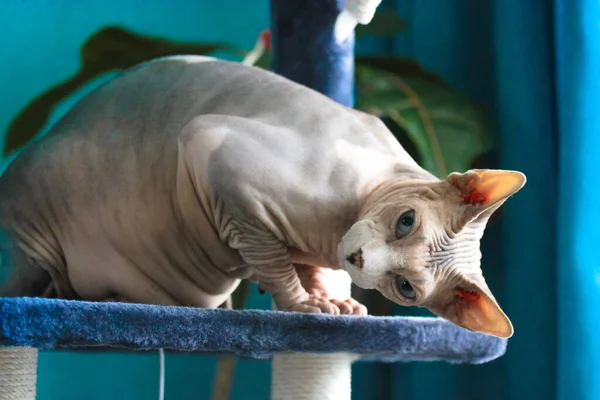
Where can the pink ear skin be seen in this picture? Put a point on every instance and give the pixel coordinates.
(475, 198)
(476, 311)
(487, 187)
(470, 296)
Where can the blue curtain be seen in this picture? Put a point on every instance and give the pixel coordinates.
(578, 81)
(535, 66)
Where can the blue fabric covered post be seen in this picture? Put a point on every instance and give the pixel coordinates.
(304, 48)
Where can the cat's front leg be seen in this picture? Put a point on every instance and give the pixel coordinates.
(300, 288)
(316, 281)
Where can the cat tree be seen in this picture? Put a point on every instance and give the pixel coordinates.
(313, 43)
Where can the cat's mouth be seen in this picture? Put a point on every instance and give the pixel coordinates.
(356, 258)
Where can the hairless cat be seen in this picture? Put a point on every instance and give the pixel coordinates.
(174, 181)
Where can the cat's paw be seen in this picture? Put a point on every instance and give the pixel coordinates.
(315, 305)
(350, 307)
(329, 306)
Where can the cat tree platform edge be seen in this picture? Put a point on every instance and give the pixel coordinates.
(49, 324)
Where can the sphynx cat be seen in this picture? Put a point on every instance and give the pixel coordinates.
(174, 181)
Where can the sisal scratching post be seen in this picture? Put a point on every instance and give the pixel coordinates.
(301, 376)
(18, 373)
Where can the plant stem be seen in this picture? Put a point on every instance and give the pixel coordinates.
(426, 121)
(224, 378)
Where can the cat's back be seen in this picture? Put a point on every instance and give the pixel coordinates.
(124, 133)
(136, 118)
(121, 141)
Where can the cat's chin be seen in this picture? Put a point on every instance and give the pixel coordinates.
(358, 278)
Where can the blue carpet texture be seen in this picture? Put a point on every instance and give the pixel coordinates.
(77, 325)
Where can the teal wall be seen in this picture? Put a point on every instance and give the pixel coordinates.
(40, 39)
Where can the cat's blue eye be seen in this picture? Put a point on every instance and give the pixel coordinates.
(405, 223)
(405, 288)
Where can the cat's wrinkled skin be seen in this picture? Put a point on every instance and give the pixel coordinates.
(176, 180)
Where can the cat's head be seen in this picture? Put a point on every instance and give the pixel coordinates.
(418, 244)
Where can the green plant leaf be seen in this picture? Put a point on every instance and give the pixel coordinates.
(109, 49)
(448, 131)
(385, 22)
(264, 61)
(404, 67)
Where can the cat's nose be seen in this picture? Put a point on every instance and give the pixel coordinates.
(356, 258)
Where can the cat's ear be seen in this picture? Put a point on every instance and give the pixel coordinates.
(486, 187)
(482, 191)
(473, 307)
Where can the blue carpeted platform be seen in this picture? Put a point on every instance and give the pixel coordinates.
(75, 325)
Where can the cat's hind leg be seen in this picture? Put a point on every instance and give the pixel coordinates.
(35, 269)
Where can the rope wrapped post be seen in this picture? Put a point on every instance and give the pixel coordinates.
(18, 373)
(300, 376)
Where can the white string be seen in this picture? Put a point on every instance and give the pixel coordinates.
(161, 378)
(354, 12)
